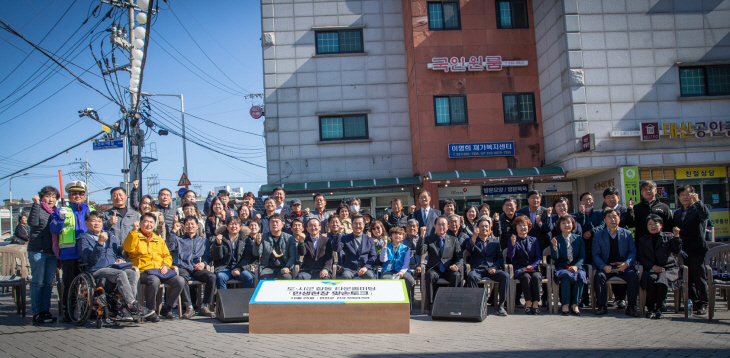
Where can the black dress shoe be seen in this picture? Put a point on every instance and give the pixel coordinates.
(565, 313)
(702, 310)
(536, 311)
(575, 312)
(631, 311)
(610, 304)
(602, 310)
(649, 314)
(621, 304)
(152, 318)
(658, 315)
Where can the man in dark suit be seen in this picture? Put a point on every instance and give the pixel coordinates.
(691, 218)
(444, 257)
(486, 260)
(356, 252)
(426, 215)
(614, 254)
(281, 207)
(611, 200)
(539, 217)
(316, 253)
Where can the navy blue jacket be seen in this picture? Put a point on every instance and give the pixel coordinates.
(190, 250)
(692, 228)
(602, 248)
(429, 222)
(525, 252)
(484, 254)
(350, 258)
(540, 229)
(97, 256)
(592, 222)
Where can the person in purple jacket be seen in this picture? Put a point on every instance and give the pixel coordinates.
(525, 253)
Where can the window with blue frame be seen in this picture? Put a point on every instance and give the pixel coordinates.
(450, 110)
(704, 81)
(339, 41)
(443, 15)
(343, 127)
(512, 14)
(519, 107)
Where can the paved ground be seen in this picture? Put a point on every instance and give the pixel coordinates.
(518, 335)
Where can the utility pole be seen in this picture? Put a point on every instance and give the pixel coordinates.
(135, 44)
(82, 173)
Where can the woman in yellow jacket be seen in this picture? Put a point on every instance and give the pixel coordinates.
(148, 252)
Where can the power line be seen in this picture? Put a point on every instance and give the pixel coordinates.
(201, 50)
(206, 120)
(55, 155)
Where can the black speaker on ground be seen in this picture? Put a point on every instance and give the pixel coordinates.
(460, 304)
(232, 304)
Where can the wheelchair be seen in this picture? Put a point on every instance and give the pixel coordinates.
(98, 300)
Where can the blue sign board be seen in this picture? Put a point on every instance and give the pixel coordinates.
(182, 192)
(476, 150)
(505, 189)
(109, 144)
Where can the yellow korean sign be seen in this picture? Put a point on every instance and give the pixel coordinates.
(700, 173)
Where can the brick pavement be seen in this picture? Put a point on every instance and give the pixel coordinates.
(614, 335)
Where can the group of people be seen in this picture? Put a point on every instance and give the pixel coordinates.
(227, 243)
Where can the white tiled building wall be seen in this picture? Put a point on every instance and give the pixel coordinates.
(299, 86)
(606, 65)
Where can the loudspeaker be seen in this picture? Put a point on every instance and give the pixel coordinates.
(232, 304)
(460, 304)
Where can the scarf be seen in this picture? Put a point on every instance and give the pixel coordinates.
(47, 208)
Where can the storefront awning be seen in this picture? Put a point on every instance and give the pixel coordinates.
(342, 185)
(496, 176)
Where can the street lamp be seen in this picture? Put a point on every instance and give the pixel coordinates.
(10, 181)
(182, 115)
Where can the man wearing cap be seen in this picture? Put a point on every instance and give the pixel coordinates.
(120, 219)
(296, 213)
(68, 222)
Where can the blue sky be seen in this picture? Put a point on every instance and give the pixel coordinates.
(39, 123)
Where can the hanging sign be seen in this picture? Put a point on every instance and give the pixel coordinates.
(256, 112)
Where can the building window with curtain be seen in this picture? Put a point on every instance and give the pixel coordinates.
(519, 107)
(443, 15)
(339, 41)
(512, 14)
(704, 81)
(450, 110)
(343, 127)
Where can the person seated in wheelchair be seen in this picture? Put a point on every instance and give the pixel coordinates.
(193, 253)
(148, 252)
(396, 258)
(101, 252)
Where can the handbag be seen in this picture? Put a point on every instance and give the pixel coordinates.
(156, 272)
(122, 266)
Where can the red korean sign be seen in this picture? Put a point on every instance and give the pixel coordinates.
(256, 112)
(473, 64)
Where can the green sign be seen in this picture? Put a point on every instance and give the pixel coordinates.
(630, 177)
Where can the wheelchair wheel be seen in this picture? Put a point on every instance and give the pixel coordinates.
(80, 298)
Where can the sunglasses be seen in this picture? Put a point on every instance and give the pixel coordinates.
(77, 193)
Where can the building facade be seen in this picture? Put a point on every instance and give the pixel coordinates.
(650, 81)
(336, 97)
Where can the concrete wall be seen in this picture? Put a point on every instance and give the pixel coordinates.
(608, 65)
(299, 86)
